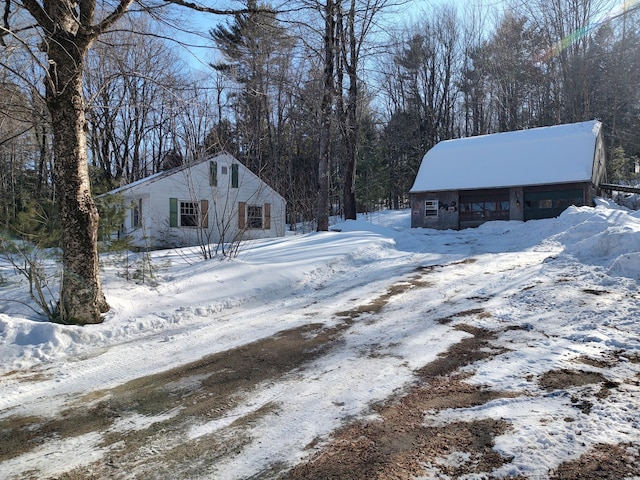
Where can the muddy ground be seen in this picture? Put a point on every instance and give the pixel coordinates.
(397, 445)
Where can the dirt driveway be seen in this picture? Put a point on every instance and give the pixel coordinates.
(396, 445)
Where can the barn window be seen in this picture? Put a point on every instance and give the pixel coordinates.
(550, 203)
(477, 207)
(431, 208)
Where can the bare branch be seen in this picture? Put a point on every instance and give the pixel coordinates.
(87, 10)
(39, 15)
(201, 8)
(111, 19)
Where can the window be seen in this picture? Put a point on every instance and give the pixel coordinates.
(136, 214)
(254, 216)
(189, 213)
(477, 207)
(223, 170)
(431, 208)
(485, 207)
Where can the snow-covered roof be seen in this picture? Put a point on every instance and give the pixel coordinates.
(537, 156)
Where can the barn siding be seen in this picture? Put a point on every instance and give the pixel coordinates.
(449, 204)
(447, 217)
(516, 203)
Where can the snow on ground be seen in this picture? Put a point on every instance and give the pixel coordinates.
(584, 265)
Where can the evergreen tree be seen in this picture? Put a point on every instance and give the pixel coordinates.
(257, 56)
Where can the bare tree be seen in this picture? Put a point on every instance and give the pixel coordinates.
(67, 31)
(421, 81)
(511, 71)
(329, 44)
(135, 97)
(566, 25)
(360, 21)
(64, 31)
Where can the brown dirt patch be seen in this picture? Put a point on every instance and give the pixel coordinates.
(430, 268)
(463, 353)
(564, 378)
(376, 305)
(597, 362)
(397, 448)
(400, 443)
(602, 462)
(632, 357)
(593, 291)
(194, 393)
(478, 312)
(22, 376)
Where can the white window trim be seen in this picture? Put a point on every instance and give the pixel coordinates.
(431, 208)
(197, 213)
(248, 220)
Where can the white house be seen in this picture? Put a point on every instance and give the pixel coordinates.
(216, 199)
(520, 175)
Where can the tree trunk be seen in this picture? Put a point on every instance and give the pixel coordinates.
(81, 298)
(325, 133)
(351, 127)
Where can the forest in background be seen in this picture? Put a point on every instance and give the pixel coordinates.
(387, 93)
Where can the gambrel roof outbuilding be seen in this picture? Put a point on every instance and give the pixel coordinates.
(520, 175)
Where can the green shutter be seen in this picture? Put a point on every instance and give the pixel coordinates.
(173, 212)
(213, 174)
(234, 175)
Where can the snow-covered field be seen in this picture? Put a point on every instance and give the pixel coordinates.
(568, 287)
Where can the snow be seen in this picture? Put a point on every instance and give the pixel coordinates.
(569, 285)
(537, 156)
